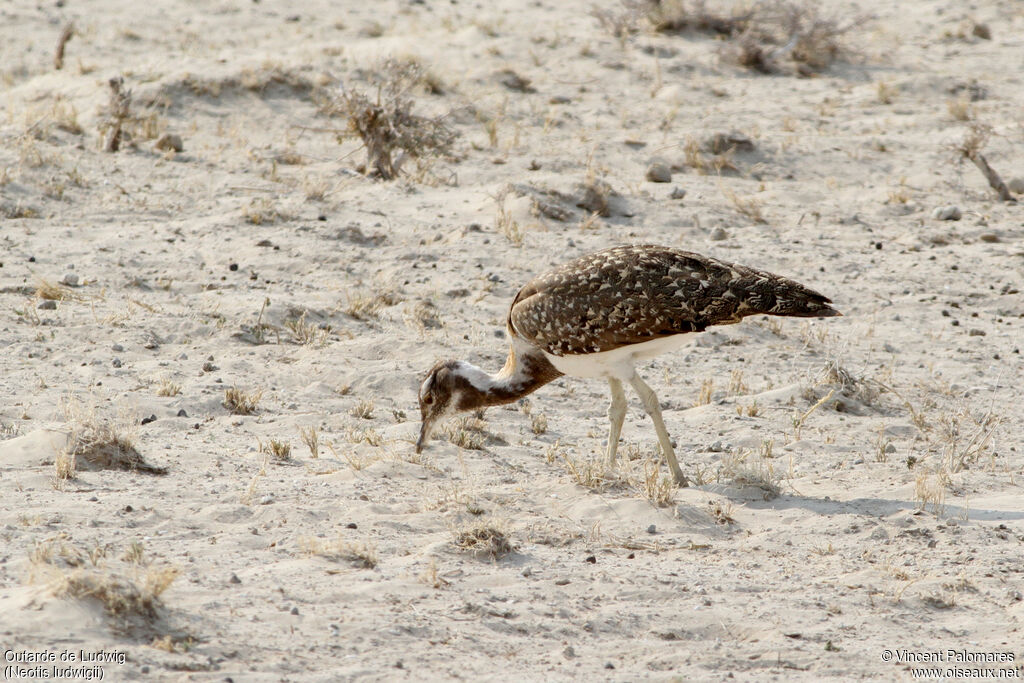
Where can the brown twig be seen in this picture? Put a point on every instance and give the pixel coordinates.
(994, 181)
(970, 148)
(65, 36)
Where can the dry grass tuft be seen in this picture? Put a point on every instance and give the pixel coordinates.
(311, 437)
(98, 443)
(483, 541)
(386, 124)
(168, 388)
(240, 402)
(360, 554)
(744, 467)
(278, 450)
(364, 306)
(466, 432)
(306, 333)
(363, 410)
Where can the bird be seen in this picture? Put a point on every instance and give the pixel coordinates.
(598, 316)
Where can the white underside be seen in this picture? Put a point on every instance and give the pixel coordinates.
(618, 363)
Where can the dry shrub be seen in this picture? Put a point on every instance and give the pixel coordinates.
(386, 124)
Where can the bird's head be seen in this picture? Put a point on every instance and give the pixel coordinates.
(441, 394)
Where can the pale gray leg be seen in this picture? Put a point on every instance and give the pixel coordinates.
(650, 402)
(616, 414)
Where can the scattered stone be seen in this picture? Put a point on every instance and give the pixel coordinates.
(209, 367)
(659, 172)
(351, 525)
(234, 578)
(982, 31)
(652, 529)
(233, 267)
(266, 500)
(169, 142)
(147, 420)
(591, 559)
(116, 362)
(719, 234)
(988, 237)
(569, 652)
(1016, 185)
(295, 610)
(117, 348)
(947, 213)
(677, 193)
(975, 332)
(70, 279)
(48, 305)
(182, 413)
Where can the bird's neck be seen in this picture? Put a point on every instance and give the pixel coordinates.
(525, 370)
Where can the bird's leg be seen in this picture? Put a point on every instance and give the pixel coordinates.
(650, 401)
(616, 414)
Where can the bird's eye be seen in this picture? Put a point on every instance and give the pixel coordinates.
(428, 399)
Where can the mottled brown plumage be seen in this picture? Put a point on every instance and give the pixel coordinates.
(598, 315)
(632, 294)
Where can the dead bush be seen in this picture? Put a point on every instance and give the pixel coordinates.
(385, 123)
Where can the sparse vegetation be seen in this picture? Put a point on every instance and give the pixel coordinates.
(483, 540)
(311, 437)
(385, 123)
(240, 402)
(363, 410)
(360, 554)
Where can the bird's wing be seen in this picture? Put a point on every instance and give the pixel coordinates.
(628, 295)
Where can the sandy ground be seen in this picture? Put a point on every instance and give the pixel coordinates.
(259, 258)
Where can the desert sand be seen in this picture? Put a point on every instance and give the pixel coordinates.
(858, 479)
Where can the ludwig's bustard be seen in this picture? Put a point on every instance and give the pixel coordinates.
(596, 316)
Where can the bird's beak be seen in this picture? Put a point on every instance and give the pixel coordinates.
(425, 429)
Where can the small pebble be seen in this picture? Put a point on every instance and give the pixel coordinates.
(182, 413)
(295, 610)
(975, 332)
(591, 559)
(117, 348)
(147, 420)
(71, 280)
(677, 193)
(266, 500)
(719, 234)
(48, 305)
(569, 652)
(116, 362)
(659, 172)
(1016, 185)
(988, 237)
(234, 578)
(652, 529)
(947, 213)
